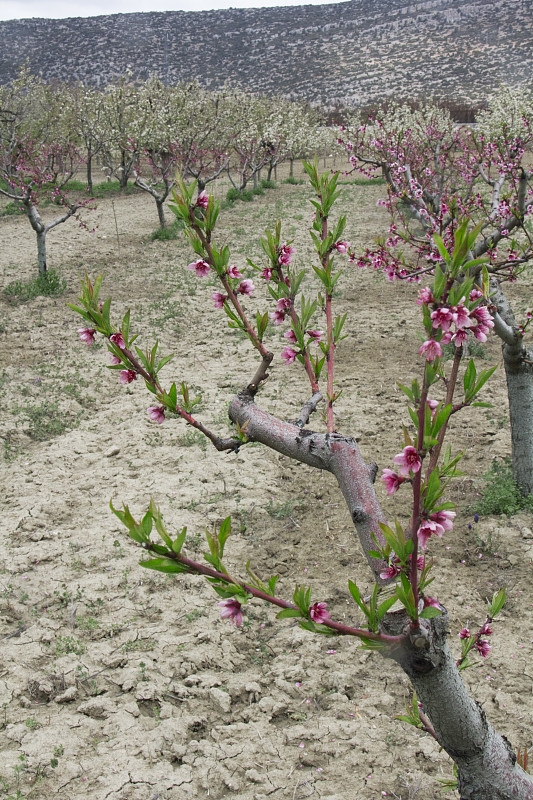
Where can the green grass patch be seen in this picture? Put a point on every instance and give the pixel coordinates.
(46, 420)
(48, 285)
(293, 181)
(12, 209)
(171, 232)
(266, 184)
(501, 494)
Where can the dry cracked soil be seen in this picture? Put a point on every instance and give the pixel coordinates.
(117, 683)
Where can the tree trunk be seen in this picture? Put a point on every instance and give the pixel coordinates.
(291, 168)
(90, 172)
(486, 763)
(40, 231)
(41, 252)
(517, 362)
(161, 213)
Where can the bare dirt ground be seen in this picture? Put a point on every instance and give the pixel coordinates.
(128, 681)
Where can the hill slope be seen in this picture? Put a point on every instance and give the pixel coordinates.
(325, 54)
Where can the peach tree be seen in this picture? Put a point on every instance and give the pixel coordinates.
(402, 620)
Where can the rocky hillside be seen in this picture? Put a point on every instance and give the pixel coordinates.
(352, 52)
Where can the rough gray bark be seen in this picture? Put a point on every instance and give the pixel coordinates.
(518, 364)
(486, 764)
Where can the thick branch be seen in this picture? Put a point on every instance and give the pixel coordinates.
(339, 455)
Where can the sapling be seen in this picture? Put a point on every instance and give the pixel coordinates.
(402, 620)
(32, 172)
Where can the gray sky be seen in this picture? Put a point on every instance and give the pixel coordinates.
(58, 9)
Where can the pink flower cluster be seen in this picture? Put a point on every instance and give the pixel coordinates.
(285, 255)
(408, 462)
(481, 645)
(455, 322)
(282, 307)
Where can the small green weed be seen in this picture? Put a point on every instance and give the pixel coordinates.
(48, 285)
(281, 510)
(293, 181)
(502, 494)
(46, 420)
(266, 184)
(12, 209)
(68, 644)
(475, 350)
(171, 232)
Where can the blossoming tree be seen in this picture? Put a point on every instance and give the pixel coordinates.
(37, 157)
(402, 621)
(437, 174)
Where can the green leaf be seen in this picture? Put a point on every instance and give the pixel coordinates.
(439, 244)
(469, 379)
(288, 613)
(439, 282)
(429, 612)
(225, 530)
(180, 541)
(164, 565)
(384, 607)
(497, 603)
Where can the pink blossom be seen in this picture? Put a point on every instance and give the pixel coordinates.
(266, 273)
(203, 199)
(464, 634)
(288, 355)
(87, 335)
(460, 337)
(115, 360)
(389, 572)
(157, 414)
(342, 247)
(219, 299)
(442, 318)
(118, 340)
(246, 287)
(283, 304)
(430, 601)
(432, 349)
(408, 460)
(425, 297)
(233, 272)
(474, 295)
(392, 481)
(285, 254)
(483, 647)
(291, 336)
(231, 609)
(444, 519)
(426, 529)
(127, 376)
(486, 630)
(200, 266)
(277, 317)
(315, 336)
(461, 316)
(318, 613)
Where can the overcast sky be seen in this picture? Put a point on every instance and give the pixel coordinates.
(57, 9)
